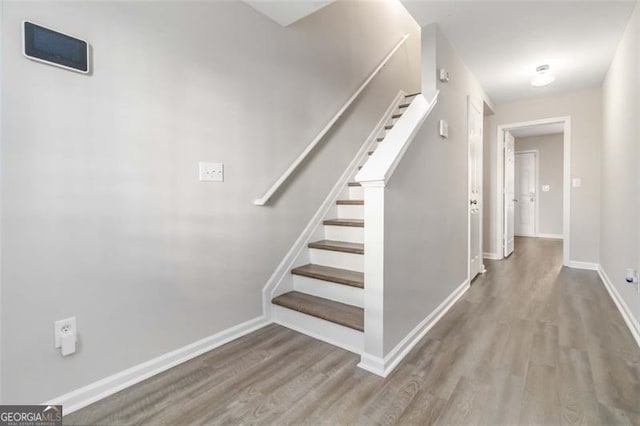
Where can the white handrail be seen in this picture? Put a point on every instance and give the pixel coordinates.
(265, 198)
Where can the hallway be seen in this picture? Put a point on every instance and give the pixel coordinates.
(530, 342)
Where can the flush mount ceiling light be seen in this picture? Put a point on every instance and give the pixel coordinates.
(543, 76)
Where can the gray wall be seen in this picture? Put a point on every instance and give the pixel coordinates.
(426, 207)
(585, 109)
(103, 216)
(620, 159)
(550, 157)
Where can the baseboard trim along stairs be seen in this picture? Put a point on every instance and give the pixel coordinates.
(320, 287)
(384, 366)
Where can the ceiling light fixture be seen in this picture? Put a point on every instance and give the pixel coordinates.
(543, 76)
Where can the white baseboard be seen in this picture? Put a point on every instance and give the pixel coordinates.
(96, 391)
(384, 366)
(551, 236)
(491, 256)
(583, 265)
(628, 317)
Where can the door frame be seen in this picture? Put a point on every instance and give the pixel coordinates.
(566, 172)
(536, 222)
(479, 105)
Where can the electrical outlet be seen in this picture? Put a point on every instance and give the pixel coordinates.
(63, 328)
(211, 172)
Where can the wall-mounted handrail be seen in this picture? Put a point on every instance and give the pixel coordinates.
(267, 195)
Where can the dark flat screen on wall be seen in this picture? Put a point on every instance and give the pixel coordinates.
(50, 46)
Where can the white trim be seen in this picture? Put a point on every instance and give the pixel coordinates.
(100, 389)
(326, 331)
(384, 366)
(374, 269)
(385, 159)
(566, 202)
(490, 256)
(551, 236)
(591, 266)
(290, 259)
(296, 163)
(625, 311)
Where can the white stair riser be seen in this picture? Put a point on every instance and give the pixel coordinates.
(351, 234)
(329, 290)
(326, 331)
(356, 193)
(337, 259)
(350, 212)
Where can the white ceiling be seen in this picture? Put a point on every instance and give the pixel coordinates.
(502, 42)
(287, 12)
(539, 130)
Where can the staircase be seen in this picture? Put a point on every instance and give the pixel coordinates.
(327, 300)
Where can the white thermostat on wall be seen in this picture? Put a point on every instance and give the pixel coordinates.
(444, 129)
(51, 47)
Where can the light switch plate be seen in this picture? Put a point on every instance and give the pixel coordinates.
(211, 172)
(546, 188)
(577, 182)
(443, 75)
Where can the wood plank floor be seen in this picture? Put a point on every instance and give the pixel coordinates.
(530, 343)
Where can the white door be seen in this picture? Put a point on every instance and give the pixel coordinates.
(525, 189)
(509, 193)
(475, 118)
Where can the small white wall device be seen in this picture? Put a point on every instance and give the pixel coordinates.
(51, 47)
(66, 335)
(444, 129)
(443, 75)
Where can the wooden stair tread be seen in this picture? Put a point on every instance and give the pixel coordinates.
(412, 95)
(370, 152)
(354, 184)
(350, 202)
(328, 273)
(379, 139)
(358, 223)
(388, 127)
(342, 246)
(394, 116)
(336, 312)
(403, 105)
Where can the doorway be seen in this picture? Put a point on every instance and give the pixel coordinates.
(475, 127)
(524, 188)
(526, 193)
